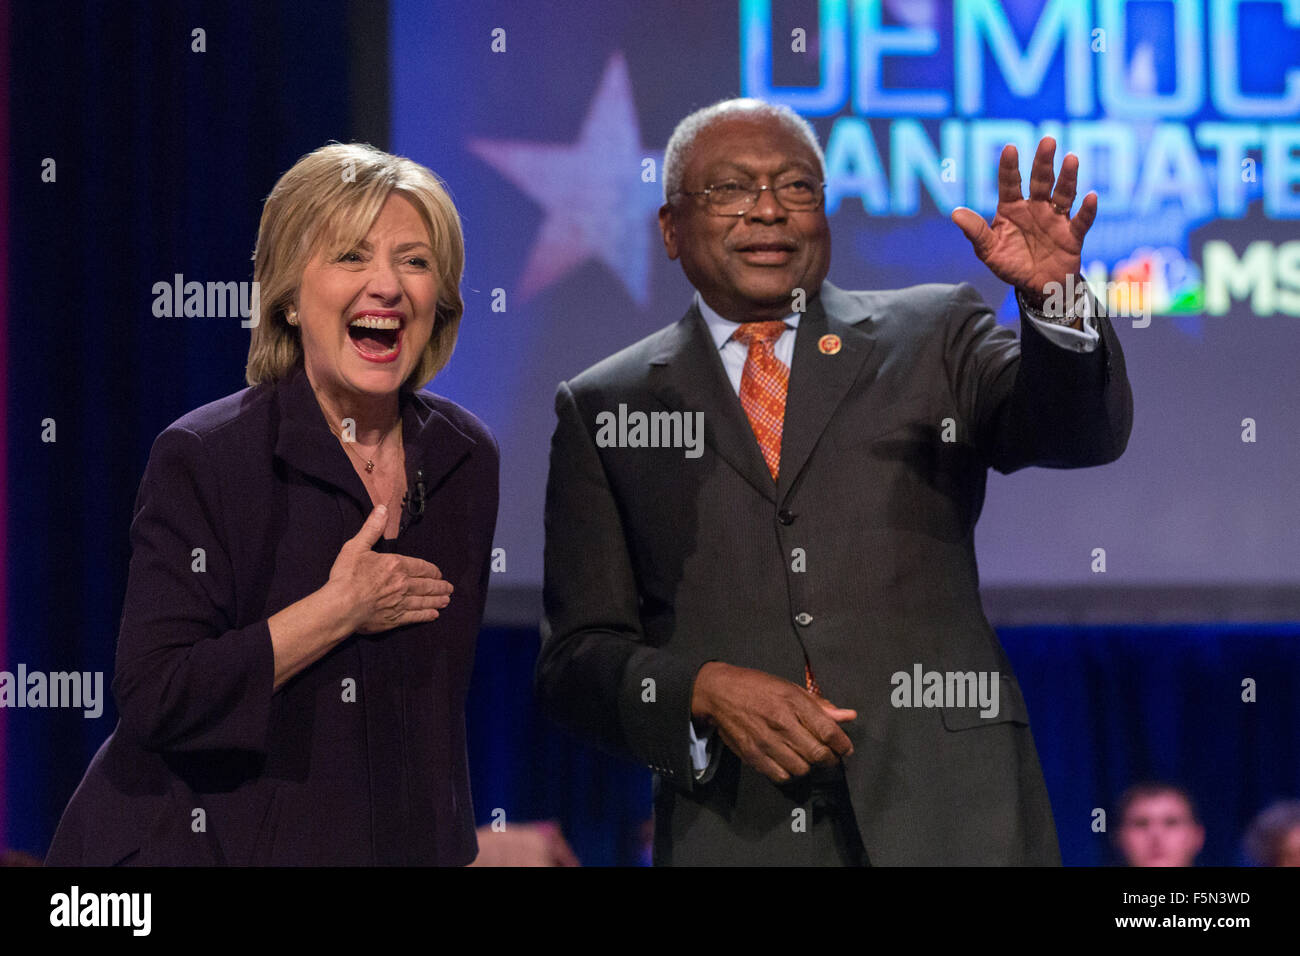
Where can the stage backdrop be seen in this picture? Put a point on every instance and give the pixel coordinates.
(549, 122)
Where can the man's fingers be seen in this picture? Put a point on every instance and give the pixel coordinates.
(1009, 176)
(1067, 183)
(820, 754)
(770, 747)
(839, 742)
(827, 730)
(1040, 175)
(785, 756)
(755, 755)
(806, 736)
(975, 229)
(1082, 220)
(825, 742)
(775, 726)
(770, 769)
(835, 713)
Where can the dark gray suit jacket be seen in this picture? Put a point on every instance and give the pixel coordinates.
(657, 563)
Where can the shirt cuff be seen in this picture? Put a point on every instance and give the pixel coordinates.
(699, 750)
(1063, 335)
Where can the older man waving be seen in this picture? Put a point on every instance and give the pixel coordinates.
(787, 628)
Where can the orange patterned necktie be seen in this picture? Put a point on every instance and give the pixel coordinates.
(763, 386)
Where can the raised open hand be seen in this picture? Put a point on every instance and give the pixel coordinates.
(1032, 242)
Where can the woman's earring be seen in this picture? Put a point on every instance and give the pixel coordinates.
(291, 315)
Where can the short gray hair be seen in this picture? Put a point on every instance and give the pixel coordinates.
(683, 139)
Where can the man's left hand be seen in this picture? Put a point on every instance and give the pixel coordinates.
(1033, 242)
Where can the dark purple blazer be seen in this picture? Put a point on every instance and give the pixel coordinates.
(360, 758)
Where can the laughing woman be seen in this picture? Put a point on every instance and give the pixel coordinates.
(310, 558)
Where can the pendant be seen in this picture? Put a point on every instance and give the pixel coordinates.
(370, 465)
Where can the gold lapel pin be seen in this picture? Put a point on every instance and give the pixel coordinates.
(829, 344)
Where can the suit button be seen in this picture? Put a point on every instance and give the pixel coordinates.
(803, 618)
(785, 517)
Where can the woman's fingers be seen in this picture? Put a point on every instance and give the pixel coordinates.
(418, 568)
(424, 582)
(428, 586)
(388, 619)
(370, 531)
(416, 599)
(397, 589)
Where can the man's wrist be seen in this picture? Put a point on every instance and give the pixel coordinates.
(1066, 293)
(1034, 299)
(700, 710)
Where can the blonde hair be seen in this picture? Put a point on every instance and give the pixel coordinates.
(328, 200)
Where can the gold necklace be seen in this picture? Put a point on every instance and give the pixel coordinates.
(370, 462)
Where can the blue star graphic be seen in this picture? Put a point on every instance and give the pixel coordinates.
(592, 191)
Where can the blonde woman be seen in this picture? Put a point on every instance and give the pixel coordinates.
(309, 564)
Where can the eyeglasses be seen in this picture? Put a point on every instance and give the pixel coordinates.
(735, 198)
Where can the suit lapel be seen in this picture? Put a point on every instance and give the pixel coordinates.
(820, 380)
(690, 378)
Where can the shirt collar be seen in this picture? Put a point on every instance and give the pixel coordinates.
(721, 329)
